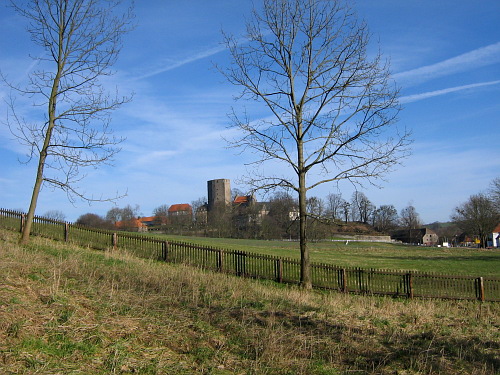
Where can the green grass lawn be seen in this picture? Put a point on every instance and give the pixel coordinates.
(454, 261)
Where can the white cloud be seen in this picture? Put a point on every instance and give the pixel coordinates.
(430, 94)
(470, 60)
(173, 64)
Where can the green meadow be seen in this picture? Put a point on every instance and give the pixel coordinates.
(454, 261)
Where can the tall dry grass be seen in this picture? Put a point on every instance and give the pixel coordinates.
(74, 310)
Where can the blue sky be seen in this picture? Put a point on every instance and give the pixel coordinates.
(445, 56)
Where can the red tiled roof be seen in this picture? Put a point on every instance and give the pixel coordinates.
(497, 229)
(180, 207)
(133, 223)
(147, 218)
(241, 199)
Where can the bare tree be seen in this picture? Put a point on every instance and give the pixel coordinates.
(334, 204)
(346, 207)
(361, 207)
(385, 218)
(307, 62)
(81, 40)
(114, 215)
(160, 214)
(94, 221)
(315, 207)
(494, 193)
(281, 220)
(477, 217)
(55, 215)
(410, 221)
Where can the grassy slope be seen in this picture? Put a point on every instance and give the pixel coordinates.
(70, 310)
(459, 261)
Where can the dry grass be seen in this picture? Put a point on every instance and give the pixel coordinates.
(68, 310)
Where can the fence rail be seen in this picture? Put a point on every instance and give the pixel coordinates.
(279, 269)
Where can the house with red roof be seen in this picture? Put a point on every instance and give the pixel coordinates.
(180, 215)
(182, 209)
(133, 225)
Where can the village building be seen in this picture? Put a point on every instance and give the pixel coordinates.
(418, 236)
(494, 237)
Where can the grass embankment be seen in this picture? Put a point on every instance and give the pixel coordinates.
(69, 310)
(448, 261)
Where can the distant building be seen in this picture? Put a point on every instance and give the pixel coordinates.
(148, 221)
(201, 214)
(418, 236)
(132, 225)
(219, 193)
(494, 237)
(248, 210)
(178, 210)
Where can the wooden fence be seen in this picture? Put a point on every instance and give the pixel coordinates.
(279, 269)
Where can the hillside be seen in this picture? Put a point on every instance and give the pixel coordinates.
(68, 310)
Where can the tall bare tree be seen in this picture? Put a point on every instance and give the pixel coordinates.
(410, 221)
(81, 40)
(361, 207)
(385, 218)
(477, 217)
(334, 205)
(494, 193)
(330, 107)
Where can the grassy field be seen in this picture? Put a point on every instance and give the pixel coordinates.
(454, 261)
(70, 310)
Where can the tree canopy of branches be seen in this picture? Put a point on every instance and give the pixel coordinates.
(385, 218)
(331, 108)
(160, 214)
(81, 40)
(410, 221)
(334, 203)
(494, 193)
(478, 216)
(126, 213)
(361, 207)
(280, 222)
(94, 221)
(55, 215)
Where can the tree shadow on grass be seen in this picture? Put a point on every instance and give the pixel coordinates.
(372, 350)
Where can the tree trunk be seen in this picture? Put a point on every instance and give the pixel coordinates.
(305, 263)
(25, 236)
(44, 151)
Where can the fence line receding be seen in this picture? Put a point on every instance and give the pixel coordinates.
(279, 269)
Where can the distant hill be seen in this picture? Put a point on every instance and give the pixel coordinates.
(446, 229)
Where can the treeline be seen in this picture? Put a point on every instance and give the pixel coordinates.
(277, 218)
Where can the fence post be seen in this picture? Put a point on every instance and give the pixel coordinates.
(115, 241)
(220, 260)
(23, 222)
(480, 288)
(279, 270)
(164, 250)
(66, 232)
(409, 285)
(344, 280)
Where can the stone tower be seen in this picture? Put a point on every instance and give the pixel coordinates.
(219, 191)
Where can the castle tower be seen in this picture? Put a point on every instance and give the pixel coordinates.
(219, 191)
